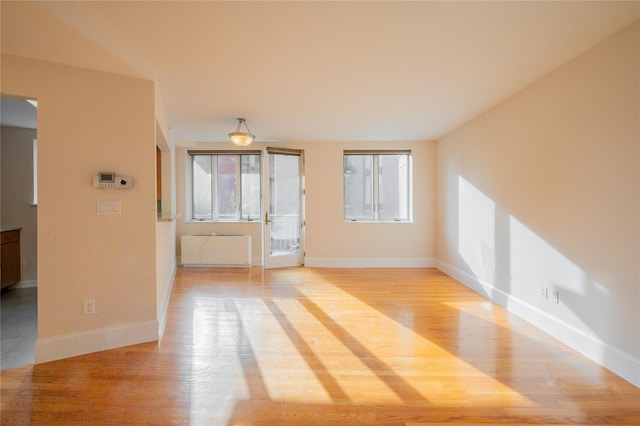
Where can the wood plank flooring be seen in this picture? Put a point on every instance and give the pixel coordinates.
(304, 346)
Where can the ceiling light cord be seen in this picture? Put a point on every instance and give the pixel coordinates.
(242, 121)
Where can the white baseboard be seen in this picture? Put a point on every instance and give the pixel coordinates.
(27, 284)
(162, 318)
(84, 342)
(611, 358)
(368, 262)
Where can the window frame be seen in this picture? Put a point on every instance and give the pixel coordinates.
(375, 186)
(34, 158)
(240, 216)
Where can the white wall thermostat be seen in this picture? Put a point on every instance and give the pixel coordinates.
(105, 180)
(109, 180)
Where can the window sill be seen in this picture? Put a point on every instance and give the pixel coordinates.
(377, 221)
(223, 221)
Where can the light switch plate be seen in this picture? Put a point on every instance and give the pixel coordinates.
(109, 208)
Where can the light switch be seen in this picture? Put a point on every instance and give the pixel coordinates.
(109, 208)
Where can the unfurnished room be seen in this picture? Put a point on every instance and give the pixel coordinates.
(400, 213)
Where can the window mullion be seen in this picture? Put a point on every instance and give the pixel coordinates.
(193, 187)
(214, 187)
(409, 191)
(376, 187)
(239, 187)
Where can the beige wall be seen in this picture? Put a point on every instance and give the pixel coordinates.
(91, 121)
(17, 195)
(330, 237)
(330, 240)
(543, 190)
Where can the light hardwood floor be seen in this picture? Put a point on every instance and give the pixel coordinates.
(302, 346)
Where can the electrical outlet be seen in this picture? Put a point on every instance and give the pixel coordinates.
(89, 307)
(544, 292)
(555, 296)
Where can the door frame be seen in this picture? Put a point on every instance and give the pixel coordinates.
(282, 261)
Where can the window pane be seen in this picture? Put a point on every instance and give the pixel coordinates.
(251, 196)
(226, 187)
(358, 187)
(284, 206)
(201, 166)
(393, 187)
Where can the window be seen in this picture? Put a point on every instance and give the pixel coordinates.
(226, 186)
(377, 186)
(35, 171)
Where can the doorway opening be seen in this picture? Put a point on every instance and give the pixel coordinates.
(283, 236)
(18, 226)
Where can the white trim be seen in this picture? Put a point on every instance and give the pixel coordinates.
(611, 358)
(27, 284)
(283, 261)
(34, 156)
(162, 320)
(370, 262)
(102, 339)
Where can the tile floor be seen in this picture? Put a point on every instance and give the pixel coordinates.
(18, 327)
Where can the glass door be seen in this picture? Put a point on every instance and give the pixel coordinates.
(284, 208)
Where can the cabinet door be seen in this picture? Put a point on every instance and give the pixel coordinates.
(10, 260)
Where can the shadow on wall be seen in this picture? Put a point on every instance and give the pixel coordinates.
(516, 266)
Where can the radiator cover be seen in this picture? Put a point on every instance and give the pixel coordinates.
(216, 250)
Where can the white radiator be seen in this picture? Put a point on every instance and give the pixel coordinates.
(216, 250)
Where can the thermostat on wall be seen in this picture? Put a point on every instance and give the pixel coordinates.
(109, 180)
(105, 180)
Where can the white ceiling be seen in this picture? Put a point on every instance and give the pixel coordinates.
(317, 71)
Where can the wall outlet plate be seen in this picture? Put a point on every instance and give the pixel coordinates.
(89, 307)
(544, 292)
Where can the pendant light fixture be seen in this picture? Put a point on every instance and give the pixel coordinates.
(239, 137)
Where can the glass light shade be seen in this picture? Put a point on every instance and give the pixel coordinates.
(241, 138)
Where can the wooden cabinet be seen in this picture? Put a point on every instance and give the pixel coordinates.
(10, 257)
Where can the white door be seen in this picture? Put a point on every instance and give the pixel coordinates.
(284, 208)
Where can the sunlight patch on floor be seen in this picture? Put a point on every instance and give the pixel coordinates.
(368, 327)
